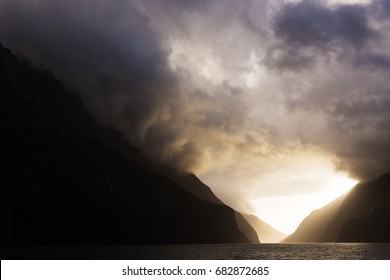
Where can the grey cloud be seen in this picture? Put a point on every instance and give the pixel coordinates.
(310, 23)
(367, 158)
(373, 61)
(107, 51)
(107, 40)
(281, 58)
(381, 7)
(355, 108)
(187, 5)
(368, 111)
(311, 27)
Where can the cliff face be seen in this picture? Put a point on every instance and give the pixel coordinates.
(68, 181)
(360, 216)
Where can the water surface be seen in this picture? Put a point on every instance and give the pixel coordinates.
(306, 251)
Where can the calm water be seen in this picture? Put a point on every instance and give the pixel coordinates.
(324, 251)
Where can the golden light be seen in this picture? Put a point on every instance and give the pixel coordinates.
(340, 184)
(314, 186)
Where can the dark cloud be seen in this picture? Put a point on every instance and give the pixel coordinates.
(368, 158)
(373, 61)
(109, 44)
(282, 58)
(107, 51)
(362, 122)
(189, 6)
(311, 27)
(312, 24)
(382, 7)
(369, 112)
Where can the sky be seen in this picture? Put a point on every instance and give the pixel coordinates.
(279, 106)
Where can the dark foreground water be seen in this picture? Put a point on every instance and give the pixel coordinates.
(312, 251)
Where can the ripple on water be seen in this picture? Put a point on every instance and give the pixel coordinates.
(302, 251)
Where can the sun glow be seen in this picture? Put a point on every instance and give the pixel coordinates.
(285, 213)
(340, 184)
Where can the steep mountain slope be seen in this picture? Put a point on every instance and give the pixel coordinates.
(189, 182)
(359, 216)
(247, 228)
(317, 227)
(69, 181)
(266, 233)
(195, 186)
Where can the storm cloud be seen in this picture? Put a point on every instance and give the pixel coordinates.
(345, 46)
(107, 51)
(256, 97)
(307, 30)
(312, 24)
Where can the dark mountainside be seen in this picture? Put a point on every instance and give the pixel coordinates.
(69, 181)
(247, 228)
(189, 182)
(195, 186)
(266, 233)
(359, 216)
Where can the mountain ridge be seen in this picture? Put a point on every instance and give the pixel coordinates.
(358, 216)
(266, 233)
(70, 183)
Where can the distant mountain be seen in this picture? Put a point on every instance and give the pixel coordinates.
(265, 232)
(247, 228)
(67, 180)
(359, 216)
(195, 186)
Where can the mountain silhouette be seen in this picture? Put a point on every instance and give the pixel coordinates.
(69, 181)
(265, 232)
(362, 215)
(195, 186)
